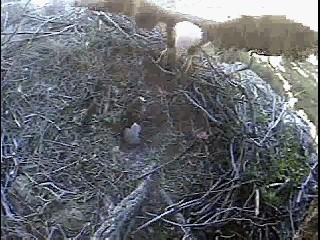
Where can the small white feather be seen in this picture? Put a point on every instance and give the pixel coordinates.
(132, 135)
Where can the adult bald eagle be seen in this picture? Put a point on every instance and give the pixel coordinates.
(269, 35)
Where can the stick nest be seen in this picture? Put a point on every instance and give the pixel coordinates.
(222, 154)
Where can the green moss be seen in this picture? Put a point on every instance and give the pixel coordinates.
(290, 163)
(271, 196)
(285, 165)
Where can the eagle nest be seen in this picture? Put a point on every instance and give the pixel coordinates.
(221, 154)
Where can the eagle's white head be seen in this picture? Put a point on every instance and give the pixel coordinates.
(187, 35)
